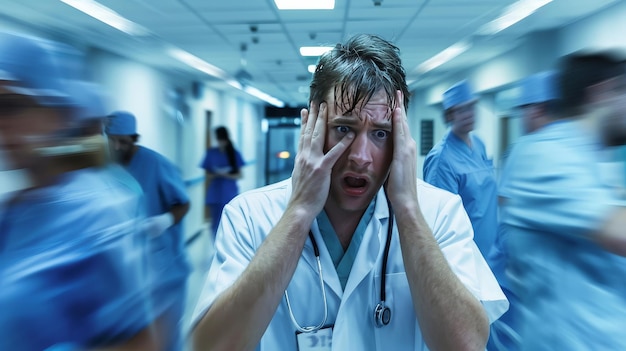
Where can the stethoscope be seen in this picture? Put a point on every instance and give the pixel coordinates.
(382, 312)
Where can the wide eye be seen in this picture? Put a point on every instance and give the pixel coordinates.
(381, 134)
(342, 129)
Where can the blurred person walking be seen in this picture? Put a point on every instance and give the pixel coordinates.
(223, 168)
(166, 205)
(564, 226)
(72, 255)
(459, 164)
(539, 105)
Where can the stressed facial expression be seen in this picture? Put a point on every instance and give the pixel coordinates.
(462, 118)
(363, 168)
(25, 126)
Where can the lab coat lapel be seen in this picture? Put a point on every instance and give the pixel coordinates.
(328, 268)
(372, 244)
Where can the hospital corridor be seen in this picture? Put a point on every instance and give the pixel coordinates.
(312, 175)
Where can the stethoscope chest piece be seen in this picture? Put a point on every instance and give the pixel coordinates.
(382, 315)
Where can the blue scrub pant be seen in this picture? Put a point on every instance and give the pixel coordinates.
(170, 320)
(503, 335)
(216, 214)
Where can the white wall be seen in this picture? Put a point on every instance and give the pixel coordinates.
(607, 29)
(140, 90)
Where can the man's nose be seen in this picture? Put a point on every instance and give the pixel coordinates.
(359, 151)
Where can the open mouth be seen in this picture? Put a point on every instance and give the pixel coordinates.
(354, 182)
(355, 185)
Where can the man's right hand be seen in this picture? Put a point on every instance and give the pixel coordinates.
(312, 169)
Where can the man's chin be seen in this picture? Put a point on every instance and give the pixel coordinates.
(354, 203)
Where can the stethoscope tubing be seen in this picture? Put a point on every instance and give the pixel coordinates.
(383, 282)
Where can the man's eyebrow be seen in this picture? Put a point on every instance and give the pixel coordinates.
(349, 120)
(386, 124)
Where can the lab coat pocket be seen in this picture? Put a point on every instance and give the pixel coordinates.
(400, 333)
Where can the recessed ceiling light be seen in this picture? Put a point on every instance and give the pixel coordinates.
(305, 4)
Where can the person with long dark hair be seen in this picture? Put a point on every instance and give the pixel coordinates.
(223, 168)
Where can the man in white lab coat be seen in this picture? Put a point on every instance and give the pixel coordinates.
(353, 252)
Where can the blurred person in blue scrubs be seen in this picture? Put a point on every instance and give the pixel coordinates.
(72, 252)
(166, 205)
(353, 252)
(565, 227)
(223, 168)
(539, 104)
(459, 164)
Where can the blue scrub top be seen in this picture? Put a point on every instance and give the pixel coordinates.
(72, 267)
(454, 166)
(572, 292)
(163, 187)
(221, 190)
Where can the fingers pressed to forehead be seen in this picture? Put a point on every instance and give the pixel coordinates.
(400, 101)
(308, 127)
(399, 114)
(313, 114)
(304, 116)
(319, 131)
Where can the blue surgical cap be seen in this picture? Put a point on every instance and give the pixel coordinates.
(28, 67)
(121, 123)
(537, 88)
(458, 94)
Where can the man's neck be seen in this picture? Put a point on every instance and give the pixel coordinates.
(465, 137)
(344, 223)
(131, 154)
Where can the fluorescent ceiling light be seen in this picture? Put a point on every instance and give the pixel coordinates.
(511, 15)
(197, 63)
(263, 96)
(305, 4)
(444, 56)
(314, 50)
(107, 16)
(311, 68)
(256, 93)
(211, 70)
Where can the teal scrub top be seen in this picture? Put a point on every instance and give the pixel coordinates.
(343, 260)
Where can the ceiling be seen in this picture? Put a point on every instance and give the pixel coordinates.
(216, 30)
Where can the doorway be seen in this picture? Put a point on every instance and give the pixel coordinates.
(282, 144)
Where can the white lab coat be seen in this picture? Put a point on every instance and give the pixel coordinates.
(249, 218)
